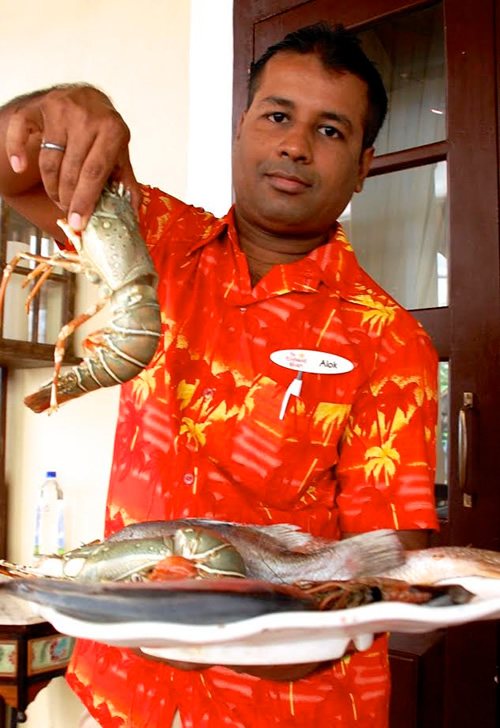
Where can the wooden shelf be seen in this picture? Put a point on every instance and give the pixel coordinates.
(28, 355)
(18, 236)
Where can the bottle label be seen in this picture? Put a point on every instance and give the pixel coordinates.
(60, 527)
(49, 521)
(38, 520)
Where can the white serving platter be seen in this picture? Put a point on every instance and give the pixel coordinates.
(282, 637)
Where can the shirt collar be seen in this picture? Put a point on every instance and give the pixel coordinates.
(334, 263)
(216, 228)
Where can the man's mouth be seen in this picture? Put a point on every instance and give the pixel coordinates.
(284, 182)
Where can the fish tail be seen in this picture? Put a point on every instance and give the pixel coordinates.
(371, 553)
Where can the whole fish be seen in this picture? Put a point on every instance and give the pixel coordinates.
(193, 602)
(281, 553)
(278, 553)
(427, 566)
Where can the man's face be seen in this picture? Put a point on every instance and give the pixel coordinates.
(297, 156)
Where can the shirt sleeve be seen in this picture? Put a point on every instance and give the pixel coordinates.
(158, 212)
(387, 457)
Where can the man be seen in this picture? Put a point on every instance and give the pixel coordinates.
(212, 428)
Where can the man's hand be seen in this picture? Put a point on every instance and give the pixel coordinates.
(82, 120)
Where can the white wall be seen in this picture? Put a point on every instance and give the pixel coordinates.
(210, 105)
(157, 60)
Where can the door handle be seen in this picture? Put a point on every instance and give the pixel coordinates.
(465, 447)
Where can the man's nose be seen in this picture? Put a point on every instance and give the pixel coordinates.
(296, 143)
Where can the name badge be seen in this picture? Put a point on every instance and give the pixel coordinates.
(313, 362)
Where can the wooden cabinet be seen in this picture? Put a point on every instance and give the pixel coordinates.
(417, 666)
(32, 653)
(461, 161)
(27, 337)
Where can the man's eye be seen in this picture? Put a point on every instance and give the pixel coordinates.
(330, 131)
(277, 116)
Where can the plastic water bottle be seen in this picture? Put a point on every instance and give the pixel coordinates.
(49, 521)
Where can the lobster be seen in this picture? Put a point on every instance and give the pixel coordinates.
(188, 552)
(113, 255)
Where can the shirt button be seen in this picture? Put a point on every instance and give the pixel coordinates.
(208, 392)
(188, 478)
(243, 309)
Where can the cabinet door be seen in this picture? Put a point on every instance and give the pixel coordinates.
(29, 326)
(434, 191)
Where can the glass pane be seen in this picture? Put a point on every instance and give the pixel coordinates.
(15, 247)
(442, 440)
(398, 226)
(49, 247)
(21, 237)
(49, 314)
(409, 53)
(18, 228)
(16, 322)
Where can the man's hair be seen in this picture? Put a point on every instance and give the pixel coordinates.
(339, 50)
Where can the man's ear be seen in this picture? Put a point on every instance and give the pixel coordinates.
(365, 163)
(240, 124)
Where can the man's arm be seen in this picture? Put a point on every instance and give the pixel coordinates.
(387, 460)
(44, 184)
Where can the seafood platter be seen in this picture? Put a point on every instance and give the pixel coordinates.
(208, 592)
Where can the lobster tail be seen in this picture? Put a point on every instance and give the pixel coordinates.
(117, 353)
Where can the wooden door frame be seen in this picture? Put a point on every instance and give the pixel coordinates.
(472, 151)
(3, 485)
(471, 146)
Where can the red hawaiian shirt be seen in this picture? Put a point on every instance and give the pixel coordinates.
(199, 434)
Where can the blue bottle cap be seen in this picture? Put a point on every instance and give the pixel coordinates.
(50, 474)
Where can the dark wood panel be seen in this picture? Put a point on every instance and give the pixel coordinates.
(417, 665)
(3, 485)
(472, 695)
(258, 10)
(28, 355)
(436, 322)
(467, 332)
(355, 15)
(497, 33)
(475, 263)
(258, 24)
(409, 158)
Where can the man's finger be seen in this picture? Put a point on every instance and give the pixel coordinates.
(50, 160)
(125, 174)
(78, 148)
(96, 171)
(21, 129)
